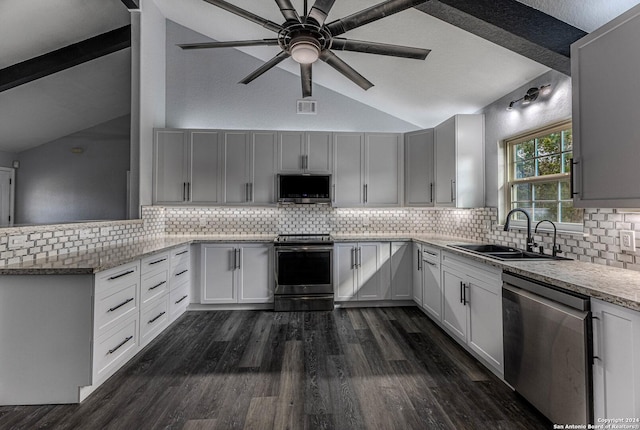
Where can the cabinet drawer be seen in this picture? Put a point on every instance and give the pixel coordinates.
(114, 305)
(179, 256)
(114, 349)
(153, 285)
(154, 319)
(180, 274)
(117, 276)
(156, 262)
(431, 254)
(179, 300)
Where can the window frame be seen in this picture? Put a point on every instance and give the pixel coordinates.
(510, 180)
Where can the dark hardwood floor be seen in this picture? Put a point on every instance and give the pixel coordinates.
(372, 368)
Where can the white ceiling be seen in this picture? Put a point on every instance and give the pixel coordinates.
(462, 74)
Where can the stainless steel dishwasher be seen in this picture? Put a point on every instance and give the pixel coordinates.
(548, 348)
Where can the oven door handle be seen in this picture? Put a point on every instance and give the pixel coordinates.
(304, 248)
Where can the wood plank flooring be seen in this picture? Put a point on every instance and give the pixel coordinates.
(371, 368)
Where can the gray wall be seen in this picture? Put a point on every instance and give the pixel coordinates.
(203, 92)
(6, 159)
(55, 185)
(501, 124)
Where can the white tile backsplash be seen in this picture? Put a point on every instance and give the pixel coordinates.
(600, 242)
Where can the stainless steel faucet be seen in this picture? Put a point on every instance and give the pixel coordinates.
(529, 238)
(556, 249)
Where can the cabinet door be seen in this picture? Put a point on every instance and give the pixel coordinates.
(204, 182)
(348, 175)
(263, 178)
(445, 154)
(170, 164)
(485, 321)
(255, 275)
(454, 312)
(345, 278)
(432, 292)
(237, 159)
(605, 66)
(383, 163)
(616, 370)
(290, 151)
(419, 166)
(373, 271)
(417, 265)
(319, 152)
(401, 270)
(219, 274)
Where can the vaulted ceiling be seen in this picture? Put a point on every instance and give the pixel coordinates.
(481, 50)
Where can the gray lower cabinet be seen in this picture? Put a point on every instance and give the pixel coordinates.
(401, 259)
(367, 169)
(605, 66)
(236, 273)
(472, 307)
(616, 366)
(362, 271)
(431, 284)
(419, 168)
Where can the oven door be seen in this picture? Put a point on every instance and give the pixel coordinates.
(302, 270)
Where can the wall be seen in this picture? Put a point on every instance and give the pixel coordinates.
(203, 92)
(6, 159)
(501, 124)
(55, 185)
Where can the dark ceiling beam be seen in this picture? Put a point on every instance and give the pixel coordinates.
(132, 4)
(512, 25)
(64, 58)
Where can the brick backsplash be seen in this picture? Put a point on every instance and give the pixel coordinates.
(599, 243)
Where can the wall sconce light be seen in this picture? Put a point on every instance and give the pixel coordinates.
(531, 95)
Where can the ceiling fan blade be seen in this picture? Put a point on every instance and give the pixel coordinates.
(370, 14)
(379, 48)
(288, 11)
(320, 10)
(305, 75)
(270, 25)
(231, 44)
(331, 59)
(265, 67)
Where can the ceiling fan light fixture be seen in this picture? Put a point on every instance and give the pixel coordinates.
(305, 50)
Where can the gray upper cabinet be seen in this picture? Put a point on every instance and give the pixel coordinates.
(305, 152)
(419, 168)
(249, 167)
(459, 167)
(186, 167)
(367, 169)
(605, 66)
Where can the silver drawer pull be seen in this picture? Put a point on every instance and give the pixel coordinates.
(430, 263)
(156, 286)
(152, 320)
(183, 272)
(183, 297)
(158, 261)
(120, 305)
(431, 253)
(182, 252)
(121, 275)
(111, 351)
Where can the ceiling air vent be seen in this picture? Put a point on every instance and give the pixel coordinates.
(307, 107)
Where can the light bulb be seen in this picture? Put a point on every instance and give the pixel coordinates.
(304, 52)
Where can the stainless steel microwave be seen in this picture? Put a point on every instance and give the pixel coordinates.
(304, 189)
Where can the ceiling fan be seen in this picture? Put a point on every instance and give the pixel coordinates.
(307, 38)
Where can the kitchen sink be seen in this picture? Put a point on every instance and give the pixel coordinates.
(505, 253)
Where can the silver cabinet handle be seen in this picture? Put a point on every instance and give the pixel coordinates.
(359, 257)
(181, 299)
(572, 177)
(431, 187)
(127, 339)
(353, 258)
(238, 258)
(235, 260)
(157, 261)
(453, 196)
(461, 287)
(157, 285)
(419, 259)
(154, 319)
(365, 193)
(596, 338)
(430, 263)
(121, 304)
(464, 294)
(250, 191)
(128, 272)
(246, 192)
(184, 191)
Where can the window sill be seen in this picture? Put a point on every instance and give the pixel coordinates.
(574, 233)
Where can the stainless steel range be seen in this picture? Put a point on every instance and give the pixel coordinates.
(304, 272)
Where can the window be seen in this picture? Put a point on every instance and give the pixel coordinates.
(538, 166)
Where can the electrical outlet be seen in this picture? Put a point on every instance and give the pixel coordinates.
(365, 221)
(16, 242)
(628, 240)
(203, 221)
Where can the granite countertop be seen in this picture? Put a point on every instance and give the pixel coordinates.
(619, 286)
